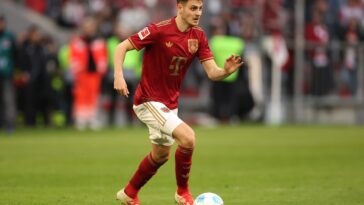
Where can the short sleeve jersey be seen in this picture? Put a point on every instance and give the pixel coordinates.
(167, 56)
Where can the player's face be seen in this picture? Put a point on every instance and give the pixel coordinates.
(191, 12)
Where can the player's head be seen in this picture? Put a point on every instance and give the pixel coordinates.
(190, 11)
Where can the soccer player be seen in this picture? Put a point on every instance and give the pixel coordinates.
(170, 46)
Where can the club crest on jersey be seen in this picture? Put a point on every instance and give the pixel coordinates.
(192, 45)
(143, 33)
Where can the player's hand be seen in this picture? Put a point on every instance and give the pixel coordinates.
(121, 87)
(232, 64)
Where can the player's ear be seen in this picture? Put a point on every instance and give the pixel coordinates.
(179, 7)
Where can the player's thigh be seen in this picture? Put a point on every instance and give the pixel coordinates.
(157, 137)
(160, 120)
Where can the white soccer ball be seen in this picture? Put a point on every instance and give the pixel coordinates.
(208, 199)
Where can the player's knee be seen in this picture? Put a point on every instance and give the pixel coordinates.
(185, 136)
(161, 158)
(160, 155)
(188, 140)
(189, 143)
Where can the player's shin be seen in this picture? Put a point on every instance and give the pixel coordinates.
(147, 168)
(183, 157)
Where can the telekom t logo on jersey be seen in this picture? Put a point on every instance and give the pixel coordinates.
(144, 33)
(176, 64)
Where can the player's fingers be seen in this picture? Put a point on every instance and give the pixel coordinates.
(119, 91)
(230, 58)
(126, 92)
(237, 59)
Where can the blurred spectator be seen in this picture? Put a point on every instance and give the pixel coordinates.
(53, 71)
(352, 9)
(351, 38)
(246, 6)
(134, 16)
(224, 93)
(132, 73)
(38, 79)
(7, 63)
(68, 80)
(214, 7)
(72, 13)
(53, 9)
(88, 63)
(106, 19)
(252, 56)
(274, 19)
(317, 37)
(96, 6)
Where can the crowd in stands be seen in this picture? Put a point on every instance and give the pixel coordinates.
(44, 82)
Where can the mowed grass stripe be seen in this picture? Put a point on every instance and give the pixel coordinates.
(243, 164)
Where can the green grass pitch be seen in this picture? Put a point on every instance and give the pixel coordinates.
(245, 165)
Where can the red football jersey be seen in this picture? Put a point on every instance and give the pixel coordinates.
(167, 56)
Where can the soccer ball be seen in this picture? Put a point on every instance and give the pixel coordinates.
(208, 199)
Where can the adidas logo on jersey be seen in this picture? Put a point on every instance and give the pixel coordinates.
(169, 44)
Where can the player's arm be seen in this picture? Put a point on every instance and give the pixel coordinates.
(119, 56)
(215, 73)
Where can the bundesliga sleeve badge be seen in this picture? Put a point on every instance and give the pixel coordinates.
(143, 33)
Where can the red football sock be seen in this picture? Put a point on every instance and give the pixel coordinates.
(183, 158)
(147, 168)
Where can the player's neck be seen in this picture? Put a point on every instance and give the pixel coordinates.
(182, 25)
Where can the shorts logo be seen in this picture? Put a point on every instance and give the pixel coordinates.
(192, 45)
(164, 109)
(143, 33)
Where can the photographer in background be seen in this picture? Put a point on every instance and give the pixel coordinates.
(7, 61)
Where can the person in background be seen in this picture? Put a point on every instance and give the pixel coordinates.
(350, 63)
(88, 63)
(318, 37)
(7, 63)
(274, 22)
(33, 63)
(252, 55)
(132, 68)
(224, 93)
(52, 68)
(68, 81)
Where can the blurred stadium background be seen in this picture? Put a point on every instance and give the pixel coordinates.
(303, 70)
(303, 61)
